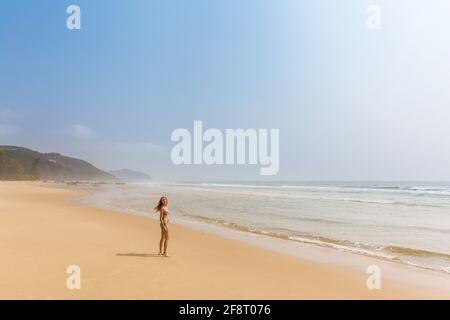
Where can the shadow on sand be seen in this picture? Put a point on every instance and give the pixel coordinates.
(142, 255)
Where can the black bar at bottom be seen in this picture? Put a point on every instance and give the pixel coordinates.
(226, 309)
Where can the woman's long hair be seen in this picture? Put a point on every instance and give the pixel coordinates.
(160, 204)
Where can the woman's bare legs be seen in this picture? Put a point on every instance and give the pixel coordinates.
(161, 242)
(166, 242)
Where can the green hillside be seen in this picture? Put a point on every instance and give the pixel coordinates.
(18, 163)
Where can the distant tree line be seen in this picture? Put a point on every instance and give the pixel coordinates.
(11, 169)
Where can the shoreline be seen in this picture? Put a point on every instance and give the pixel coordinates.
(269, 241)
(115, 251)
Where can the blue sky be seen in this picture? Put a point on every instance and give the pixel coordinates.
(351, 103)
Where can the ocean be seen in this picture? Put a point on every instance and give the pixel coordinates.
(403, 222)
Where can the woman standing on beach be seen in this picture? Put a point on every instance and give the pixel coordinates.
(163, 208)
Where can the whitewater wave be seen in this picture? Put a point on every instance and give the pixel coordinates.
(397, 254)
(432, 190)
(338, 198)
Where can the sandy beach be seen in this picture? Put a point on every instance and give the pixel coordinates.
(42, 232)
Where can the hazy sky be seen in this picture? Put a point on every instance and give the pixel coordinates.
(351, 103)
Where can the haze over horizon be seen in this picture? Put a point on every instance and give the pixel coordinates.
(352, 104)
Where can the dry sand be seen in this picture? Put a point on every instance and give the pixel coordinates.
(42, 233)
